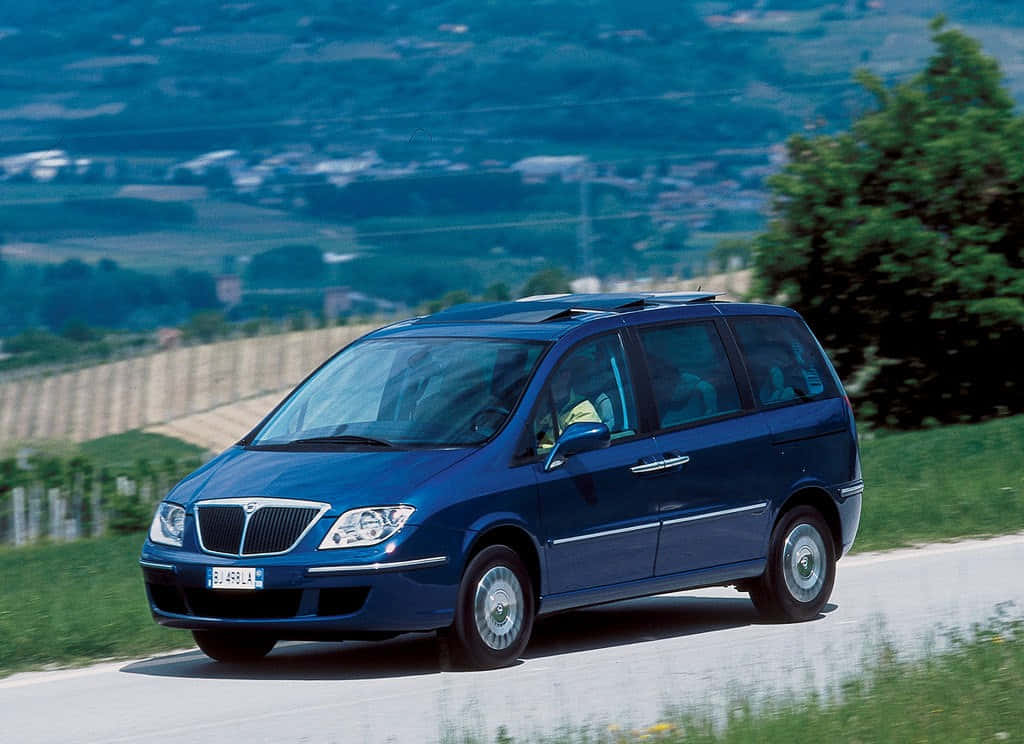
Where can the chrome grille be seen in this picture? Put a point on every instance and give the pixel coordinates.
(222, 527)
(273, 529)
(255, 526)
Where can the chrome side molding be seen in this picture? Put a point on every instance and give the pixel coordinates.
(439, 560)
(856, 488)
(721, 513)
(662, 523)
(606, 533)
(156, 566)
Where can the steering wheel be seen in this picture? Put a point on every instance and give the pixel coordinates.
(495, 410)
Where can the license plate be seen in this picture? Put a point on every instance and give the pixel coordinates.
(234, 577)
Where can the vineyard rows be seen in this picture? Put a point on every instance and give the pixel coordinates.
(167, 386)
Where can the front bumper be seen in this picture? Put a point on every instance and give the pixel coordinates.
(306, 595)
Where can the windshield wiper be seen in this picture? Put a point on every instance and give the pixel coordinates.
(344, 439)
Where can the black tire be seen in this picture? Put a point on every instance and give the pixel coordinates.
(801, 569)
(492, 628)
(233, 647)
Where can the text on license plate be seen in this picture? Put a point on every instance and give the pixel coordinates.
(233, 577)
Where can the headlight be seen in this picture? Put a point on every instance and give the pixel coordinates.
(369, 525)
(168, 524)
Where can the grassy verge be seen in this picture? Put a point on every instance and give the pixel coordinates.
(971, 693)
(125, 450)
(117, 452)
(75, 602)
(943, 483)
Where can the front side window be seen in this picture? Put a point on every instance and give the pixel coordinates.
(591, 384)
(691, 378)
(784, 362)
(407, 391)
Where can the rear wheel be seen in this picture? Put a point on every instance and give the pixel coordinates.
(495, 610)
(231, 647)
(801, 569)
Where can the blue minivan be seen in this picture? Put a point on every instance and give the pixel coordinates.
(470, 470)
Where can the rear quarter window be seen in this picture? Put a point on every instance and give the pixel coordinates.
(784, 362)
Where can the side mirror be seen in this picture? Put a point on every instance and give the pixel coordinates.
(578, 437)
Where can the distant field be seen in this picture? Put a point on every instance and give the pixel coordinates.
(705, 241)
(217, 429)
(220, 228)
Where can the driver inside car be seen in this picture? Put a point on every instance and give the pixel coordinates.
(572, 406)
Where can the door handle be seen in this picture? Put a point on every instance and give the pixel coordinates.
(674, 460)
(648, 465)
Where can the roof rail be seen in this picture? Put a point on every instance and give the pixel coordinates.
(683, 298)
(553, 308)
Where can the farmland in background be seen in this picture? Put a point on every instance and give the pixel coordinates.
(151, 390)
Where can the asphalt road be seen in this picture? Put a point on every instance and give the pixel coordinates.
(623, 663)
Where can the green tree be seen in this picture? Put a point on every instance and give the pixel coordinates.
(730, 253)
(206, 326)
(901, 241)
(288, 264)
(497, 292)
(455, 297)
(547, 281)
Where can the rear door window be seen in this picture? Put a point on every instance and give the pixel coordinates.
(785, 363)
(691, 378)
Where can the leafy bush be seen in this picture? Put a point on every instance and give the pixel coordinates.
(900, 241)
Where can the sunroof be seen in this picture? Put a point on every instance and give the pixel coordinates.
(607, 303)
(502, 312)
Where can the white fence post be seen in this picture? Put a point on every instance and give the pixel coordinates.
(57, 509)
(18, 505)
(99, 517)
(35, 506)
(70, 526)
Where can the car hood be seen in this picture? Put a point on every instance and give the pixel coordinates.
(343, 479)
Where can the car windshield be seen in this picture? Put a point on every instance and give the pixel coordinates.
(406, 392)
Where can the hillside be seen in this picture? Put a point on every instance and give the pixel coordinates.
(153, 389)
(196, 75)
(431, 147)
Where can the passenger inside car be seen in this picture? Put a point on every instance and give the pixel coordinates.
(693, 398)
(775, 389)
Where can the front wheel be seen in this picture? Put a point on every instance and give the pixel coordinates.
(234, 648)
(495, 610)
(801, 569)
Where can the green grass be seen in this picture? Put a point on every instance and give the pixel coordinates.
(119, 451)
(949, 482)
(64, 604)
(971, 693)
